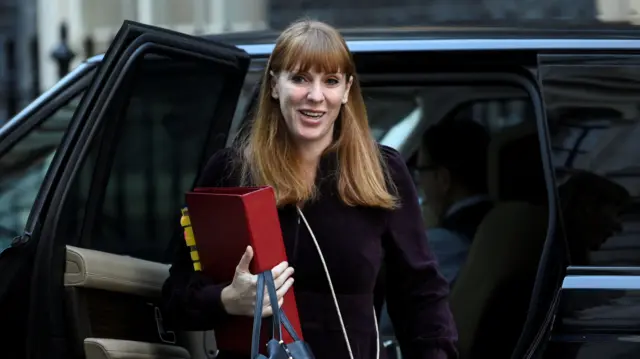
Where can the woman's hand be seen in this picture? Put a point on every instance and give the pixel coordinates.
(239, 298)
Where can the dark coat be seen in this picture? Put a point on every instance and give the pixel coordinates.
(356, 242)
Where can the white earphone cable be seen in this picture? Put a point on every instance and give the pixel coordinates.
(333, 294)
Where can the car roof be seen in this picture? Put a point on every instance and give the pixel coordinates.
(451, 32)
(454, 38)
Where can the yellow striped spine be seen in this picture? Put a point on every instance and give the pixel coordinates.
(189, 238)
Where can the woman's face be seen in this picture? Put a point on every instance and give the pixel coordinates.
(310, 103)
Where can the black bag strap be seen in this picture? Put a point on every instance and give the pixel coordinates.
(279, 318)
(288, 326)
(273, 298)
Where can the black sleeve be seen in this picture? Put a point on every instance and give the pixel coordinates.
(190, 300)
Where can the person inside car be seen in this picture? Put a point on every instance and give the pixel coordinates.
(452, 167)
(310, 140)
(452, 171)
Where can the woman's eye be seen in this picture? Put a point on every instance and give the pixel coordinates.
(297, 79)
(333, 81)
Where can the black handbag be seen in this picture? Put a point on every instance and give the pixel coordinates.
(276, 347)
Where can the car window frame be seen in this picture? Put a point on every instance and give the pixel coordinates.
(522, 78)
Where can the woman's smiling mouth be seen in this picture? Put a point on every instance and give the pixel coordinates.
(312, 114)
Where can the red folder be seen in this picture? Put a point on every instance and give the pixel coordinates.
(224, 222)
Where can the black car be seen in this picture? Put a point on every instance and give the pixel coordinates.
(93, 173)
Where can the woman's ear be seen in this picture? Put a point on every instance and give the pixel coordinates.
(345, 98)
(273, 81)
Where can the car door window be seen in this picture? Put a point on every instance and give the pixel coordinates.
(23, 168)
(596, 146)
(495, 115)
(169, 114)
(156, 156)
(502, 247)
(389, 106)
(393, 107)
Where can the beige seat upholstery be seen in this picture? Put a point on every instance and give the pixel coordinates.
(489, 298)
(100, 348)
(93, 276)
(491, 294)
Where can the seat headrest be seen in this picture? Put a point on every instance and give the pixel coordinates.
(514, 165)
(511, 228)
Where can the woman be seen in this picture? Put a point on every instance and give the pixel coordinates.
(310, 140)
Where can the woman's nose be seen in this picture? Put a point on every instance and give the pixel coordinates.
(315, 93)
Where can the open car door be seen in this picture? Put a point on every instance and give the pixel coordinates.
(592, 101)
(84, 278)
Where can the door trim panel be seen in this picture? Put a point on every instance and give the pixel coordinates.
(88, 268)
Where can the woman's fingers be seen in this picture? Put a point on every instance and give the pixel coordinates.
(284, 288)
(283, 277)
(279, 269)
(266, 307)
(280, 292)
(268, 311)
(283, 281)
(245, 261)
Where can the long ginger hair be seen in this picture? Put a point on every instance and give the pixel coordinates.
(268, 152)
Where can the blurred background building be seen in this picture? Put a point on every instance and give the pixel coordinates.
(42, 38)
(18, 55)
